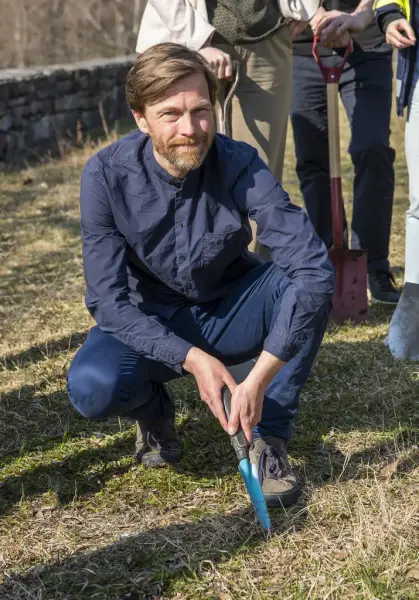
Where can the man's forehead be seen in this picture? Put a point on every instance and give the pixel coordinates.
(193, 87)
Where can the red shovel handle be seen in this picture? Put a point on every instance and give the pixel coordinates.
(330, 74)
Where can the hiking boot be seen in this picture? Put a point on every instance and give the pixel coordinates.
(383, 287)
(279, 484)
(157, 442)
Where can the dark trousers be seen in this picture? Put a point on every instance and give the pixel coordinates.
(107, 378)
(365, 89)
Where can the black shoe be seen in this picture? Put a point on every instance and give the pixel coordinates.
(279, 483)
(382, 287)
(157, 442)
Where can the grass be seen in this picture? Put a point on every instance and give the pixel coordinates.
(79, 519)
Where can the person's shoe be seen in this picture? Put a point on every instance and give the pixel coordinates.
(157, 442)
(279, 484)
(383, 287)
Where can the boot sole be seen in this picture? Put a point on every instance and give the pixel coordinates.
(282, 500)
(157, 461)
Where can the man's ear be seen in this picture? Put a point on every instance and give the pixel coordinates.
(141, 122)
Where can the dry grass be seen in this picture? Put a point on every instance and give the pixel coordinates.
(79, 519)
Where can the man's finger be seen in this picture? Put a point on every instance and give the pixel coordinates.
(234, 420)
(247, 428)
(228, 70)
(408, 31)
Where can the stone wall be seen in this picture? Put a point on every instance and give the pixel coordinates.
(40, 107)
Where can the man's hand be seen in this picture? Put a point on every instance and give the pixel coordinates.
(211, 376)
(400, 34)
(247, 399)
(297, 27)
(336, 27)
(219, 61)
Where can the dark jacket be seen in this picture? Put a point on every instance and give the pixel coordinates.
(387, 11)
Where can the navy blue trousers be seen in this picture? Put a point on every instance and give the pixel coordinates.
(107, 378)
(365, 89)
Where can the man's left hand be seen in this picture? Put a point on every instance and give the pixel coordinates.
(246, 408)
(247, 398)
(335, 28)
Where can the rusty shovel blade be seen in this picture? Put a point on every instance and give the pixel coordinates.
(350, 302)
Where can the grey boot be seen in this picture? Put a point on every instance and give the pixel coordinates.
(157, 442)
(403, 334)
(279, 484)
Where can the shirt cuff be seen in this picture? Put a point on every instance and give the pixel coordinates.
(174, 352)
(284, 346)
(384, 19)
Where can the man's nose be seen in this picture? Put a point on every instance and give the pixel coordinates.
(186, 125)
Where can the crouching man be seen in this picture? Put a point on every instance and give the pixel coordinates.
(171, 285)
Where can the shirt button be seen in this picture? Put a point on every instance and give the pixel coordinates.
(181, 258)
(180, 225)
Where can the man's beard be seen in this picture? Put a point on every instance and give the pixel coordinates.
(185, 154)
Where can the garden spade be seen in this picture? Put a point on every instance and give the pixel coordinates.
(247, 470)
(350, 300)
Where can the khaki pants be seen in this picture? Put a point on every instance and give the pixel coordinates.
(261, 105)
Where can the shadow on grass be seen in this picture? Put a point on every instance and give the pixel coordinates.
(354, 387)
(81, 474)
(45, 351)
(146, 565)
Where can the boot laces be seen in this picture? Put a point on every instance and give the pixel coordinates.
(271, 465)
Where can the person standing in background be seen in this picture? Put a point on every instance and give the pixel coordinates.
(399, 20)
(259, 38)
(366, 91)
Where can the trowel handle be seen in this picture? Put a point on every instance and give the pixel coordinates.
(238, 440)
(230, 86)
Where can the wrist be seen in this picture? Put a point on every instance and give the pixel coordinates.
(190, 359)
(363, 16)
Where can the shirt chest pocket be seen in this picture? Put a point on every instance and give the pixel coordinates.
(220, 249)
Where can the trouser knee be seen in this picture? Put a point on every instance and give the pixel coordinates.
(92, 393)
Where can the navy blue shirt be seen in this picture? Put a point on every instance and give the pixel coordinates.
(153, 243)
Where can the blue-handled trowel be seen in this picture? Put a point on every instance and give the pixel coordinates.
(247, 470)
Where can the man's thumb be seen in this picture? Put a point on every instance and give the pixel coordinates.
(234, 420)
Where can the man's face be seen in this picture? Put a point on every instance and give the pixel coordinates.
(180, 125)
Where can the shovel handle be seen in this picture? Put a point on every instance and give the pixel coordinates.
(238, 440)
(331, 77)
(223, 112)
(330, 74)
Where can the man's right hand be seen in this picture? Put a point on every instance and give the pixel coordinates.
(400, 34)
(219, 61)
(211, 376)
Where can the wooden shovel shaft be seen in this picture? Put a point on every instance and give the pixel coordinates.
(334, 164)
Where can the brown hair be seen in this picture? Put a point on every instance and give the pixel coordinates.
(156, 69)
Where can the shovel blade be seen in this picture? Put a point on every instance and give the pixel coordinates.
(350, 302)
(254, 489)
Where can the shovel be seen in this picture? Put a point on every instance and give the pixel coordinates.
(350, 301)
(247, 470)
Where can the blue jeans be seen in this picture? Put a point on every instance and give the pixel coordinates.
(366, 89)
(107, 378)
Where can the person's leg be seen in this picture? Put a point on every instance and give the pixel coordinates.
(403, 335)
(106, 378)
(261, 104)
(366, 89)
(309, 125)
(256, 301)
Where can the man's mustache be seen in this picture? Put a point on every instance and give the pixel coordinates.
(187, 141)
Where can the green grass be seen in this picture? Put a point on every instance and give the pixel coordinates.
(80, 519)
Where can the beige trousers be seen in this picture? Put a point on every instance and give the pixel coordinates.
(260, 107)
